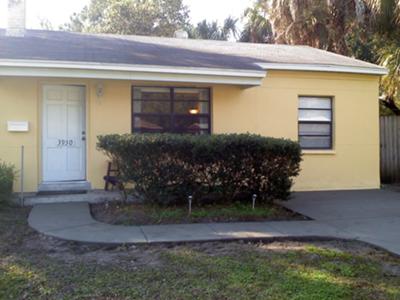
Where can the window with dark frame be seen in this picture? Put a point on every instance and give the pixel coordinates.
(315, 123)
(171, 109)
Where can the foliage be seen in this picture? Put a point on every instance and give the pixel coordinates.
(166, 168)
(385, 24)
(7, 177)
(142, 17)
(322, 24)
(212, 31)
(46, 24)
(390, 85)
(385, 15)
(300, 22)
(145, 17)
(258, 28)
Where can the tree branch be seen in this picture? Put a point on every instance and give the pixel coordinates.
(389, 103)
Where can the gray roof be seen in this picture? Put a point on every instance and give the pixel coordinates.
(142, 50)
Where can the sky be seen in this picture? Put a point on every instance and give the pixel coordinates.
(58, 11)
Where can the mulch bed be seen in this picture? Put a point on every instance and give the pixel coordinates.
(119, 213)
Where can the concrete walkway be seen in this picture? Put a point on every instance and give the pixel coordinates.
(370, 216)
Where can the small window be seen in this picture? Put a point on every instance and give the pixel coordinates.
(315, 122)
(176, 110)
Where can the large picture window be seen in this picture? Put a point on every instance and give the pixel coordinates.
(175, 110)
(315, 122)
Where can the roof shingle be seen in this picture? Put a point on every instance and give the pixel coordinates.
(142, 50)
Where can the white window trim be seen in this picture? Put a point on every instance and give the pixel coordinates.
(316, 150)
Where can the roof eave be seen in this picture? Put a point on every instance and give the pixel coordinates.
(324, 68)
(66, 69)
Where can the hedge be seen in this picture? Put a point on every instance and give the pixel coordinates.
(7, 176)
(166, 168)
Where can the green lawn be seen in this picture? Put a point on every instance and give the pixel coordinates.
(35, 267)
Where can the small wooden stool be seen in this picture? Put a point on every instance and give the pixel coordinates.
(112, 177)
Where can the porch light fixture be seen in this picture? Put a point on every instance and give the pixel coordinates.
(99, 90)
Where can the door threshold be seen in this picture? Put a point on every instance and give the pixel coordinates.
(64, 187)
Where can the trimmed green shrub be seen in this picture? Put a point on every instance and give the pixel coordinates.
(165, 168)
(7, 177)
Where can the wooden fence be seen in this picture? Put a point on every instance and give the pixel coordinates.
(390, 149)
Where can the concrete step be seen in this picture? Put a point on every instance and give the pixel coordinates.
(91, 197)
(64, 186)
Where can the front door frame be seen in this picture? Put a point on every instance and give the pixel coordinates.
(85, 126)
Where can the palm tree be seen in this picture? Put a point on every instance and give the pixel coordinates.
(230, 27)
(257, 28)
(386, 15)
(344, 19)
(212, 31)
(301, 22)
(386, 19)
(207, 31)
(390, 84)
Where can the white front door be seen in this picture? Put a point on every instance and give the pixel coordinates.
(63, 133)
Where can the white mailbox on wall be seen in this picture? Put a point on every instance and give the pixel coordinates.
(18, 126)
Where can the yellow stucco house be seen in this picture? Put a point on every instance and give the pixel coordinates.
(60, 90)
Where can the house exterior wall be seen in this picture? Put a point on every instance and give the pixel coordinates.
(270, 110)
(18, 102)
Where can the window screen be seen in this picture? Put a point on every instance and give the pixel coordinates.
(315, 122)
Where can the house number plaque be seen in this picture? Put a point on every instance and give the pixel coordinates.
(62, 143)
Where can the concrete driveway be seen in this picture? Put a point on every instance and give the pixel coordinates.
(371, 215)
